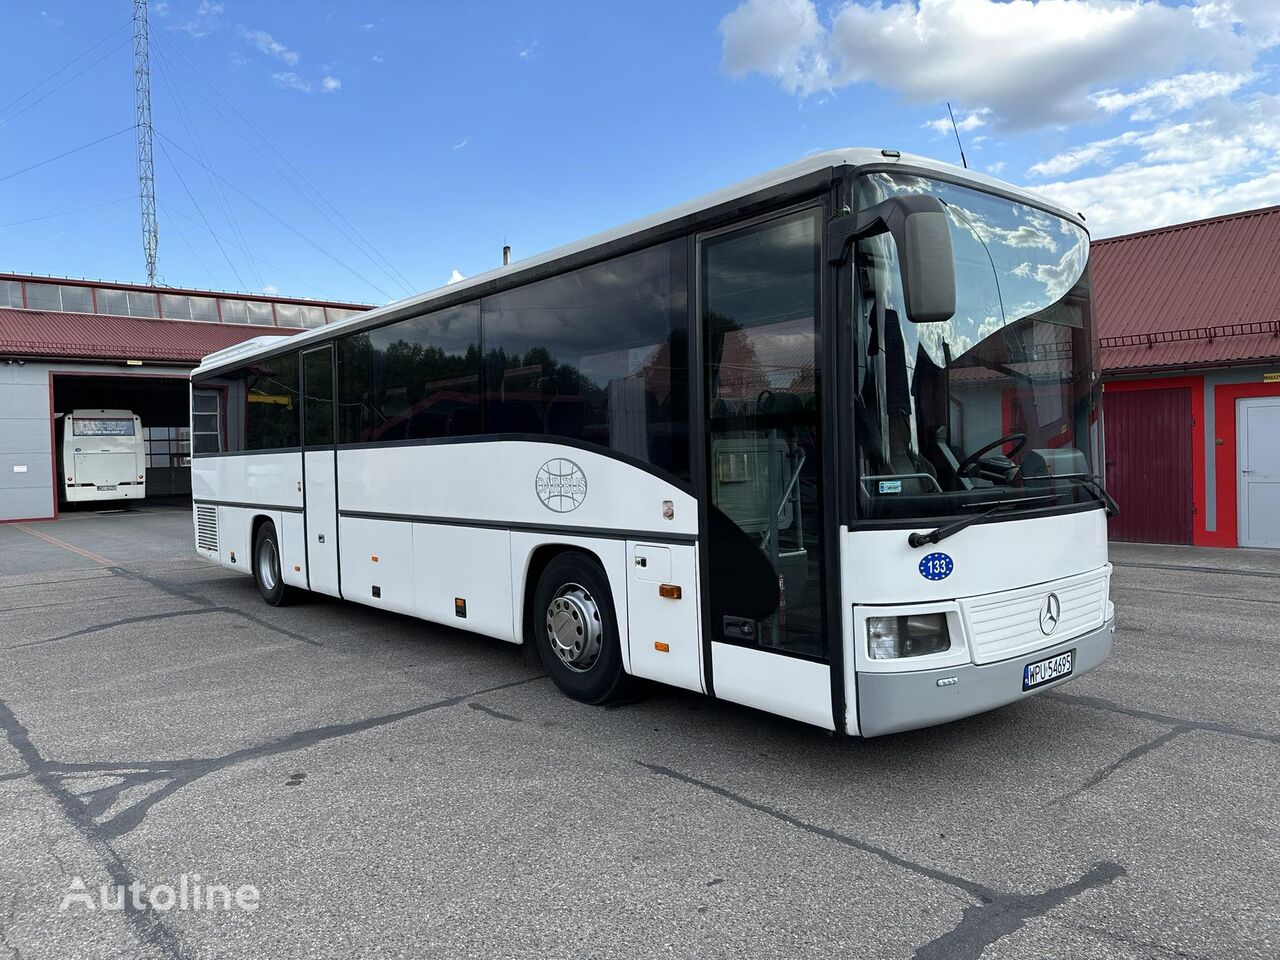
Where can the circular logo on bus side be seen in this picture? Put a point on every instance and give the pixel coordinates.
(561, 485)
(936, 566)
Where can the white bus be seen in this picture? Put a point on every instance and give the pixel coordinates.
(822, 444)
(101, 456)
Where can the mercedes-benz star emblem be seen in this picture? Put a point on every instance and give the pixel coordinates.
(1050, 614)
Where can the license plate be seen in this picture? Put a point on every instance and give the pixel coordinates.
(106, 486)
(1046, 671)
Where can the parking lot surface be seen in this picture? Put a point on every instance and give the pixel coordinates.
(390, 788)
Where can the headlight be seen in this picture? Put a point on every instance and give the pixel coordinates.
(889, 638)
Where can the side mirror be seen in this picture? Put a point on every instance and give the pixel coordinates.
(918, 225)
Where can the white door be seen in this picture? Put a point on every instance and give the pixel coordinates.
(319, 471)
(1258, 456)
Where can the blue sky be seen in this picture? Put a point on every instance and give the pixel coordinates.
(437, 131)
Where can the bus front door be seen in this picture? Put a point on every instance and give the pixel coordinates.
(319, 470)
(759, 300)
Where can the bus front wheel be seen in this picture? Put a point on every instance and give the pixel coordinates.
(266, 566)
(575, 628)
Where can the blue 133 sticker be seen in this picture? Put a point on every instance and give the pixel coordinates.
(936, 566)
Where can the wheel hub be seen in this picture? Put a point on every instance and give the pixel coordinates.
(267, 564)
(573, 627)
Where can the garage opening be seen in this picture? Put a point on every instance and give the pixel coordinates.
(160, 402)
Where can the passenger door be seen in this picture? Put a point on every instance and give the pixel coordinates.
(319, 470)
(763, 570)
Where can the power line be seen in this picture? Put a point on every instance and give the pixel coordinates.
(218, 193)
(195, 203)
(65, 213)
(83, 146)
(49, 93)
(288, 226)
(72, 62)
(359, 241)
(266, 263)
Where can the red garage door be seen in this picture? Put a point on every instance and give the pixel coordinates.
(1148, 450)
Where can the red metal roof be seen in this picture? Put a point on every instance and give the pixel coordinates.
(1193, 294)
(88, 336)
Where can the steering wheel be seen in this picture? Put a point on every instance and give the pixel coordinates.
(972, 461)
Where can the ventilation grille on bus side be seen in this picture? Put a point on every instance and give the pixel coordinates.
(207, 528)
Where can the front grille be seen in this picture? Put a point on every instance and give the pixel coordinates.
(206, 528)
(1004, 625)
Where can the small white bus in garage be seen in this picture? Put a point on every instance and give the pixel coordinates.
(101, 456)
(822, 443)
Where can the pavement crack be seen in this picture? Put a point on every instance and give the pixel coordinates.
(1209, 726)
(145, 618)
(992, 916)
(165, 586)
(147, 924)
(978, 891)
(266, 624)
(1140, 750)
(983, 924)
(495, 713)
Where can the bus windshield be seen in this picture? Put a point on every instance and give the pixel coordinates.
(996, 405)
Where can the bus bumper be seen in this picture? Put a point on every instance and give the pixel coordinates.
(892, 702)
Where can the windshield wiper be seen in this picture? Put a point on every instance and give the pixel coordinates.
(1093, 484)
(940, 534)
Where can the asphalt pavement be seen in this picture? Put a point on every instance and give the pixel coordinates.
(383, 787)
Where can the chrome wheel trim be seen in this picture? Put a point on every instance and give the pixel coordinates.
(268, 565)
(573, 627)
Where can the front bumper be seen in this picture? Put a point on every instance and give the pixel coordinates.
(892, 702)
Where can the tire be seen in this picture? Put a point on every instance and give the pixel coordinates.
(575, 629)
(266, 567)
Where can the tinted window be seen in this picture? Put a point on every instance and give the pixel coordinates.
(262, 405)
(412, 380)
(598, 355)
(317, 380)
(271, 403)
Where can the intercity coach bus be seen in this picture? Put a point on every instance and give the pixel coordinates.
(823, 443)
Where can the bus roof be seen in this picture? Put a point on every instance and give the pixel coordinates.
(852, 156)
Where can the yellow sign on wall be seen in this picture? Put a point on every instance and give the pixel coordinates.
(1271, 378)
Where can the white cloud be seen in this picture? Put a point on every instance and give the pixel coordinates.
(997, 168)
(204, 22)
(1030, 62)
(461, 143)
(1172, 94)
(528, 52)
(974, 120)
(271, 46)
(330, 85)
(291, 81)
(160, 9)
(378, 58)
(1224, 160)
(366, 26)
(271, 290)
(779, 39)
(455, 277)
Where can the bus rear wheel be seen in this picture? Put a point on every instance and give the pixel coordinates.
(266, 566)
(575, 629)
